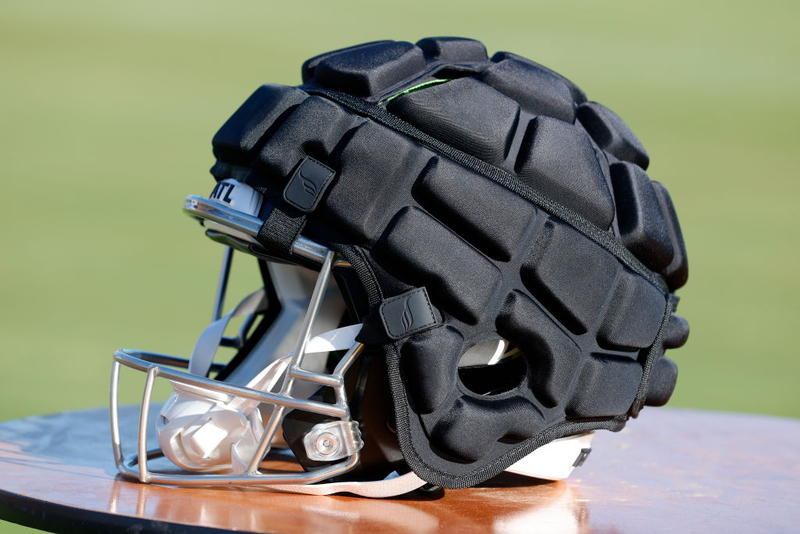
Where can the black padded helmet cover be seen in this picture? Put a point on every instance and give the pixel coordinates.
(521, 208)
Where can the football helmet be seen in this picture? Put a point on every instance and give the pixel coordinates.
(504, 281)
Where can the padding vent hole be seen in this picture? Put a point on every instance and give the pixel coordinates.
(492, 368)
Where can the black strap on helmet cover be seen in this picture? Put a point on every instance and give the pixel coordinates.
(496, 203)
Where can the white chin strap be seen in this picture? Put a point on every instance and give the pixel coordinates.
(554, 461)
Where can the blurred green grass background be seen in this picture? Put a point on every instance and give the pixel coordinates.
(108, 109)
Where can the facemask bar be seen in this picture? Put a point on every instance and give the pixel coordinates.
(222, 286)
(154, 365)
(202, 209)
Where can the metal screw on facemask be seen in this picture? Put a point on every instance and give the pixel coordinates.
(327, 444)
(333, 440)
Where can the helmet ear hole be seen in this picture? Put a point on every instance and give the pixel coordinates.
(492, 368)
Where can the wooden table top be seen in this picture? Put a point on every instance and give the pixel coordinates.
(670, 470)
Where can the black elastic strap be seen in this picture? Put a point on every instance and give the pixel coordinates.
(280, 230)
(369, 282)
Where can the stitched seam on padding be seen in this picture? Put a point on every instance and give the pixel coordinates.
(650, 359)
(498, 175)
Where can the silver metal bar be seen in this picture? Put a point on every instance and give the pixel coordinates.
(319, 378)
(152, 373)
(266, 440)
(203, 209)
(113, 413)
(140, 363)
(310, 250)
(311, 314)
(222, 285)
(343, 365)
(163, 359)
(129, 469)
(297, 360)
(348, 359)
